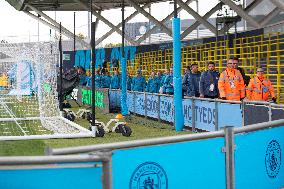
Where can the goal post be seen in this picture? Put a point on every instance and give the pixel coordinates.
(29, 107)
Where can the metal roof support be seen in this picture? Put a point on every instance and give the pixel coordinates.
(97, 21)
(148, 33)
(119, 25)
(64, 32)
(197, 16)
(279, 4)
(249, 8)
(197, 23)
(270, 16)
(242, 13)
(103, 19)
(53, 24)
(150, 17)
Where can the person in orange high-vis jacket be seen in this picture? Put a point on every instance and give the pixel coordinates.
(231, 83)
(260, 87)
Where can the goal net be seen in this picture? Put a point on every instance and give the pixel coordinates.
(29, 107)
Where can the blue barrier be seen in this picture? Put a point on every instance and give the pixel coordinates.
(166, 108)
(130, 101)
(205, 115)
(162, 107)
(179, 165)
(140, 103)
(53, 177)
(258, 159)
(152, 105)
(209, 115)
(229, 115)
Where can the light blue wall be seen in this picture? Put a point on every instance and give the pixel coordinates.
(63, 178)
(186, 165)
(252, 150)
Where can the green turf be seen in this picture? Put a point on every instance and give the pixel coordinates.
(142, 128)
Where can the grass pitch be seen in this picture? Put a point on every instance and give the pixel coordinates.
(142, 128)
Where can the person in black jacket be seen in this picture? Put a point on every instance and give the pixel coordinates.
(208, 85)
(236, 66)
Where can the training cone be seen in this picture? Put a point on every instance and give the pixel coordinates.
(119, 116)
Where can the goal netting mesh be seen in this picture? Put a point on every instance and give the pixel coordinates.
(29, 107)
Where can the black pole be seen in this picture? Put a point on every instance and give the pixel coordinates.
(175, 9)
(60, 69)
(93, 47)
(123, 29)
(74, 38)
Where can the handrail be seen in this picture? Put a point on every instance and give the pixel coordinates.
(137, 143)
(163, 140)
(36, 160)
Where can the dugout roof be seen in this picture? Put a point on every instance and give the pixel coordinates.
(71, 5)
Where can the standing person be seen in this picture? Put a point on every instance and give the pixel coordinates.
(169, 83)
(192, 81)
(162, 81)
(138, 82)
(128, 82)
(98, 79)
(152, 85)
(236, 63)
(259, 87)
(105, 79)
(208, 86)
(115, 80)
(159, 78)
(185, 79)
(231, 84)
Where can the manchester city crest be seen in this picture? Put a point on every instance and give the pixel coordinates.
(149, 175)
(273, 159)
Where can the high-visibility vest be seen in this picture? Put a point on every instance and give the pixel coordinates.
(259, 90)
(231, 85)
(3, 81)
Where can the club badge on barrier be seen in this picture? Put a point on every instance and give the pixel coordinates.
(149, 175)
(273, 159)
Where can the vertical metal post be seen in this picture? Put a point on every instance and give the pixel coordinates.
(74, 36)
(134, 102)
(60, 68)
(145, 104)
(107, 172)
(93, 47)
(177, 80)
(197, 10)
(243, 112)
(229, 150)
(270, 112)
(216, 116)
(159, 107)
(193, 115)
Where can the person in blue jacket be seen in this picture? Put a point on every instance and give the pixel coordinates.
(159, 78)
(98, 79)
(185, 83)
(83, 77)
(168, 83)
(193, 81)
(128, 82)
(162, 81)
(106, 79)
(138, 82)
(208, 86)
(115, 80)
(152, 85)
